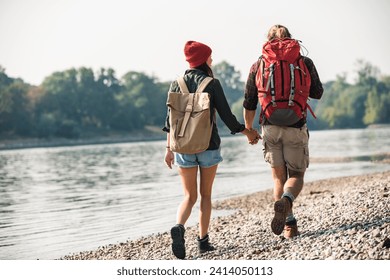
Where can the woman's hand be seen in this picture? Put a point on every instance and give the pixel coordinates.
(169, 158)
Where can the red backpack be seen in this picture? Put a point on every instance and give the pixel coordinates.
(283, 82)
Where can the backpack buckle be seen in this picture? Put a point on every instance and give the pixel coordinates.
(189, 108)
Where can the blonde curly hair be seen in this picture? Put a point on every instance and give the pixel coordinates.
(278, 31)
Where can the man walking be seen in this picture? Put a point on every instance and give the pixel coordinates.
(282, 80)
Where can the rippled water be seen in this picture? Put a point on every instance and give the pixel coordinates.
(56, 201)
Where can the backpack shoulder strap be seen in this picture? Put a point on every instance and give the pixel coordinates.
(182, 85)
(189, 106)
(260, 70)
(204, 84)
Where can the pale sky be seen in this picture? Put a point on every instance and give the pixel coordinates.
(39, 37)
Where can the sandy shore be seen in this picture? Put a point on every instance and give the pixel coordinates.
(342, 218)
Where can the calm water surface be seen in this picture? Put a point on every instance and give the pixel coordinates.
(56, 201)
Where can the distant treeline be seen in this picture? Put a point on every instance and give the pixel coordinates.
(79, 103)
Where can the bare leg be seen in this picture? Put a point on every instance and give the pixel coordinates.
(189, 182)
(279, 175)
(294, 183)
(207, 176)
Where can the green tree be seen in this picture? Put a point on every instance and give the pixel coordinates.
(86, 98)
(373, 108)
(104, 97)
(76, 102)
(17, 118)
(14, 105)
(385, 99)
(377, 103)
(367, 74)
(237, 109)
(353, 106)
(61, 99)
(147, 96)
(230, 80)
(5, 97)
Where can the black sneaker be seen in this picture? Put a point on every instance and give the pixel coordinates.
(178, 248)
(204, 244)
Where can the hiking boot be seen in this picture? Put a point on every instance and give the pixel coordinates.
(281, 207)
(178, 248)
(291, 229)
(204, 244)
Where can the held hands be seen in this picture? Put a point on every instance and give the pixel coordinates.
(253, 136)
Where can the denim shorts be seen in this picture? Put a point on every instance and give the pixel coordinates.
(205, 159)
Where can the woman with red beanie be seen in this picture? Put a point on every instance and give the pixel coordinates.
(198, 56)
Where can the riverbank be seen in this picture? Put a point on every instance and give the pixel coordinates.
(342, 218)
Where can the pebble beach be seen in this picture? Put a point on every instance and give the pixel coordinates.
(345, 218)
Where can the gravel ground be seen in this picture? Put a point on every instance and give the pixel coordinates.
(343, 218)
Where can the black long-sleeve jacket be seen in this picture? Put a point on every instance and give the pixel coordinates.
(193, 78)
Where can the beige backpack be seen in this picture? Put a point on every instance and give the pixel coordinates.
(190, 119)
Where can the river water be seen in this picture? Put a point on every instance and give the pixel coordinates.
(57, 201)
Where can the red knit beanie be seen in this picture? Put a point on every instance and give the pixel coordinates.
(196, 53)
